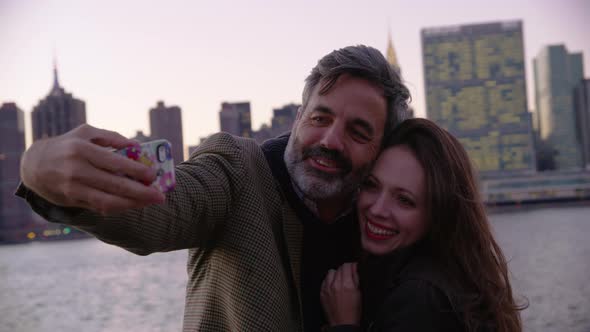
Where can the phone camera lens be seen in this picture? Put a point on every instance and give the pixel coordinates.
(161, 152)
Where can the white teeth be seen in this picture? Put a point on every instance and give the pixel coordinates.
(380, 231)
(324, 163)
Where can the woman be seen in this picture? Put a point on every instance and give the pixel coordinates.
(430, 260)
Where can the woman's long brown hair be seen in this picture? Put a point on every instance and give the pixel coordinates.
(460, 237)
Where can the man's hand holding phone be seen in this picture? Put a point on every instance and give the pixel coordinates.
(77, 170)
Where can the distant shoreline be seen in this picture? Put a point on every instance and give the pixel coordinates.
(495, 209)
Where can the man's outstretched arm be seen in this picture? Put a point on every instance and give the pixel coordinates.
(78, 184)
(78, 170)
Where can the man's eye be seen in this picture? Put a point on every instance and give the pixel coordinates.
(360, 136)
(319, 120)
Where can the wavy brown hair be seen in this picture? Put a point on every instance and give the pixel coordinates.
(460, 237)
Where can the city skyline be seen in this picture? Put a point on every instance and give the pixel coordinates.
(120, 62)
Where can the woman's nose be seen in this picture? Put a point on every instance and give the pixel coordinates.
(380, 206)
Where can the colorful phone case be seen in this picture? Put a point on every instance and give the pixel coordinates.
(147, 154)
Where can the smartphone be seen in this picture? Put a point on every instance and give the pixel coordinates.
(157, 155)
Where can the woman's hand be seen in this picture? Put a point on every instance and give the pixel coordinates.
(341, 296)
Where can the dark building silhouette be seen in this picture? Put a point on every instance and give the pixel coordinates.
(15, 215)
(166, 123)
(283, 119)
(191, 149)
(235, 119)
(281, 122)
(262, 134)
(141, 137)
(475, 88)
(58, 113)
(582, 107)
(557, 72)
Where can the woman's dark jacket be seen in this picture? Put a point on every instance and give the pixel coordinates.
(405, 291)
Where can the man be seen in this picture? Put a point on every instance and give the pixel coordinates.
(263, 224)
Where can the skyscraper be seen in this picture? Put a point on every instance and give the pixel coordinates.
(475, 88)
(234, 118)
(14, 213)
(166, 123)
(58, 113)
(557, 72)
(283, 119)
(391, 57)
(141, 137)
(582, 107)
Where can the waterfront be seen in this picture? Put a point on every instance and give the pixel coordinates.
(85, 285)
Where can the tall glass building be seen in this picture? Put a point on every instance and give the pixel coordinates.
(557, 72)
(475, 88)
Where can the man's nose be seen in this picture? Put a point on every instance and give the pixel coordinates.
(333, 138)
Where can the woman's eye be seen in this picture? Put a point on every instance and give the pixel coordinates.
(406, 201)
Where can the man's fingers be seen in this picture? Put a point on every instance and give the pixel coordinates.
(120, 186)
(117, 164)
(102, 137)
(104, 203)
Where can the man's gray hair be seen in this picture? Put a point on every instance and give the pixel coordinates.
(363, 62)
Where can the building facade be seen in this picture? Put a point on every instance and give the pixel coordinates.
(235, 119)
(15, 214)
(582, 107)
(57, 113)
(557, 72)
(475, 88)
(141, 137)
(166, 123)
(283, 119)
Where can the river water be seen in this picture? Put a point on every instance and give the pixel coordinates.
(85, 285)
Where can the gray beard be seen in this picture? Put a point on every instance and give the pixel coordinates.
(317, 185)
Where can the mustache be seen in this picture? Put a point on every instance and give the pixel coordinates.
(320, 151)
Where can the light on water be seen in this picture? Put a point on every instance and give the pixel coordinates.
(86, 285)
(549, 253)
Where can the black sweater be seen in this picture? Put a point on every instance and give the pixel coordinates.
(325, 246)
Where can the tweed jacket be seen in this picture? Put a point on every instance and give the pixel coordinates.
(244, 240)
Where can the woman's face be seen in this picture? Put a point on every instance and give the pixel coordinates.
(391, 205)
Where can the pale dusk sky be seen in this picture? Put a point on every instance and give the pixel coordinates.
(121, 57)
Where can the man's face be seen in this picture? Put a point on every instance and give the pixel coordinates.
(336, 138)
